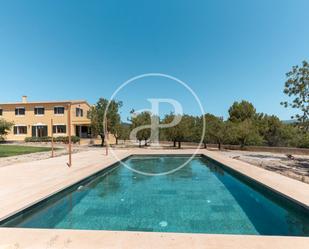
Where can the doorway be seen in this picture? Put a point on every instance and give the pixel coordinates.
(39, 131)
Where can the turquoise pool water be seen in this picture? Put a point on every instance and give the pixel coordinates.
(202, 197)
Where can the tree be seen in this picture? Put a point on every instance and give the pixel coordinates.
(5, 127)
(139, 120)
(185, 129)
(304, 141)
(297, 87)
(197, 132)
(242, 124)
(97, 113)
(292, 136)
(241, 111)
(181, 132)
(170, 133)
(215, 129)
(271, 129)
(122, 131)
(244, 133)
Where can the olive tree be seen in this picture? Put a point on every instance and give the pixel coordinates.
(139, 120)
(122, 132)
(183, 131)
(97, 113)
(244, 133)
(5, 127)
(215, 129)
(297, 88)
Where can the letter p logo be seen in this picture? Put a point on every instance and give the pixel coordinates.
(155, 125)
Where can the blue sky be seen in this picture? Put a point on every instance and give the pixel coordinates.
(225, 50)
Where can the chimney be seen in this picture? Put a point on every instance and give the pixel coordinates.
(24, 99)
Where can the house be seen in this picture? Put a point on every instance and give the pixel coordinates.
(34, 118)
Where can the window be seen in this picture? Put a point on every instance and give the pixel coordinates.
(20, 130)
(59, 129)
(59, 110)
(79, 112)
(1, 112)
(39, 110)
(20, 111)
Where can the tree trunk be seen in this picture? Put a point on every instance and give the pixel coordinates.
(140, 143)
(242, 144)
(102, 140)
(219, 146)
(174, 143)
(146, 142)
(179, 144)
(116, 140)
(205, 145)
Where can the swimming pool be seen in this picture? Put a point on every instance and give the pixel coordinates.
(202, 197)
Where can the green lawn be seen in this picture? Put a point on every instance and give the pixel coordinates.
(14, 150)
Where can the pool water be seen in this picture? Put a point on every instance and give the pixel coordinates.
(202, 197)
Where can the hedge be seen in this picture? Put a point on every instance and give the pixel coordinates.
(65, 139)
(37, 139)
(62, 139)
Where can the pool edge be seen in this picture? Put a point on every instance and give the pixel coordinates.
(14, 236)
(81, 239)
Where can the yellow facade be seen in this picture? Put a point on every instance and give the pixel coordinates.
(32, 122)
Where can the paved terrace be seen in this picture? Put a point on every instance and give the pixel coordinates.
(24, 184)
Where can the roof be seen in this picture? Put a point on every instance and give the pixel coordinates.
(46, 102)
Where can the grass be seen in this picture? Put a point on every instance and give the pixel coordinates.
(15, 150)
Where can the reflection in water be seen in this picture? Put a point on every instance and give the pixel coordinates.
(213, 167)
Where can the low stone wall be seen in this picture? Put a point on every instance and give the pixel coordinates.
(283, 150)
(169, 144)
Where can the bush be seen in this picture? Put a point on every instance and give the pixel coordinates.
(37, 139)
(62, 139)
(65, 139)
(75, 139)
(304, 141)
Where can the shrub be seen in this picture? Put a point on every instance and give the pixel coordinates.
(37, 139)
(61, 139)
(75, 139)
(65, 139)
(304, 141)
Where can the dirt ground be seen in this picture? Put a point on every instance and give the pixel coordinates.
(61, 150)
(297, 168)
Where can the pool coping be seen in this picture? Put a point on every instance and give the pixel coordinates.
(251, 181)
(63, 188)
(91, 239)
(263, 176)
(260, 175)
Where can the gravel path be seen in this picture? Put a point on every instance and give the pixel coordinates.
(61, 150)
(297, 168)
